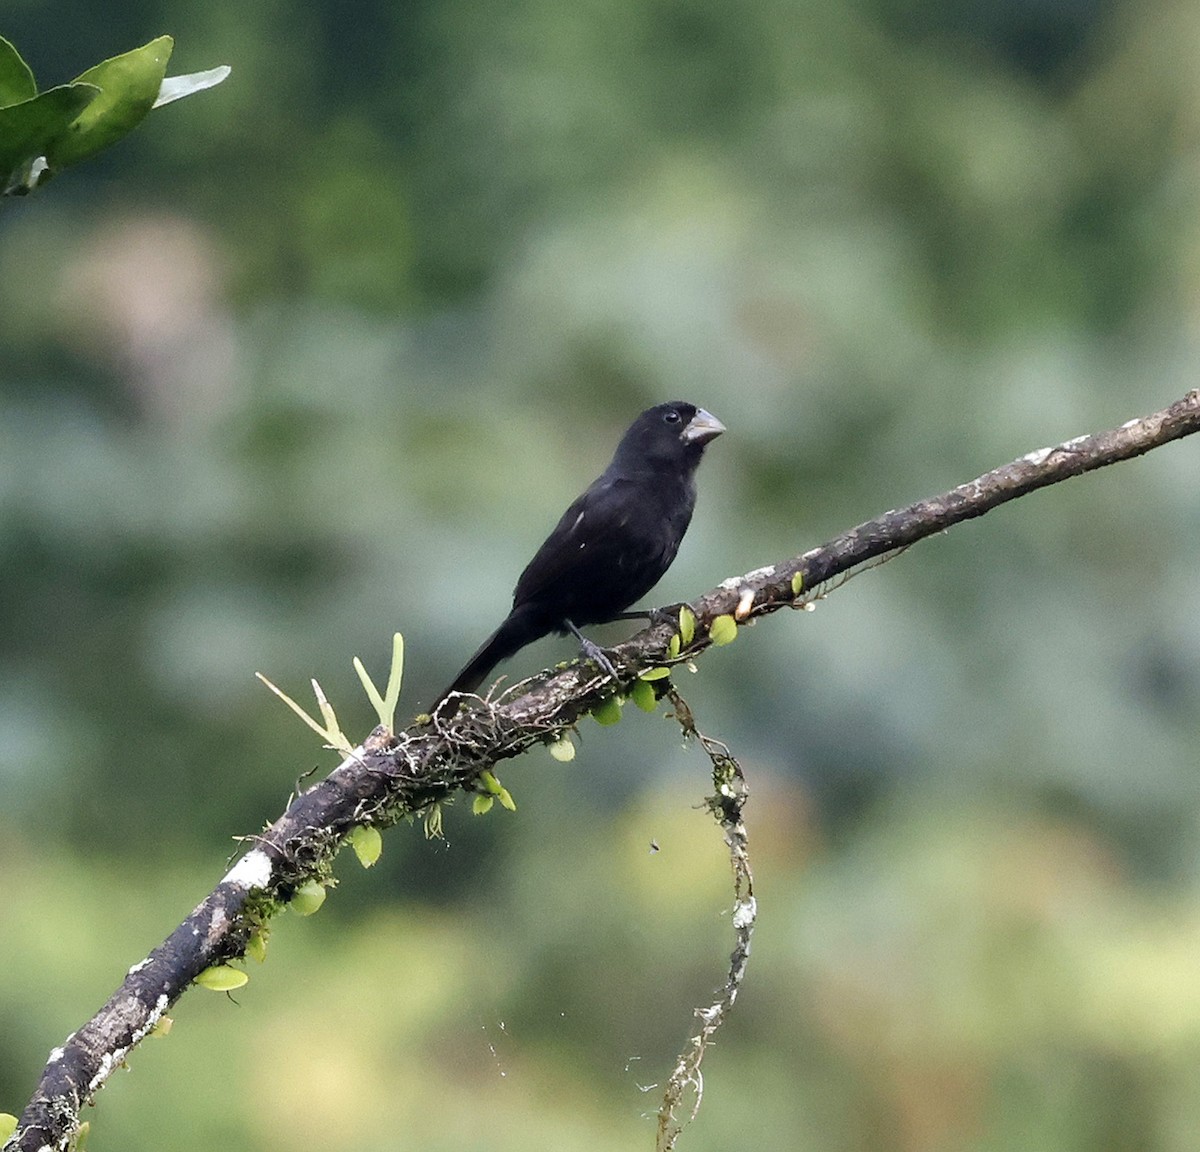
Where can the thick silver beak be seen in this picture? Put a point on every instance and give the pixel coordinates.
(702, 428)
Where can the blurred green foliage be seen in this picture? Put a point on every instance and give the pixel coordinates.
(322, 355)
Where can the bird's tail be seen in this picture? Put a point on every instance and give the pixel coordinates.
(518, 629)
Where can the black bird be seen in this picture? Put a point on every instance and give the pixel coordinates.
(612, 545)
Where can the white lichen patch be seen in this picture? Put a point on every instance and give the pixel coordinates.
(56, 1054)
(155, 1015)
(138, 967)
(1037, 456)
(733, 583)
(109, 1062)
(252, 871)
(744, 913)
(767, 573)
(216, 926)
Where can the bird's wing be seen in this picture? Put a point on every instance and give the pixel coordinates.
(598, 533)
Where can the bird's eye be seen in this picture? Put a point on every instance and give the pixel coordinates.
(671, 417)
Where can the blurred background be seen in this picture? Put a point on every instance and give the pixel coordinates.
(323, 353)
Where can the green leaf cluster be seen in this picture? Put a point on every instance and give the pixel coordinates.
(493, 790)
(44, 132)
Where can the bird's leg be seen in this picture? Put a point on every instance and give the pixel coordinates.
(592, 650)
(668, 614)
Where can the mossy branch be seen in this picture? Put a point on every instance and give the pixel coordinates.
(391, 776)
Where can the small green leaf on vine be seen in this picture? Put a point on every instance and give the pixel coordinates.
(607, 712)
(256, 946)
(307, 898)
(642, 694)
(687, 624)
(659, 673)
(723, 630)
(367, 844)
(222, 978)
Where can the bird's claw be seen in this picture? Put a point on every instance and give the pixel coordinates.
(592, 651)
(667, 614)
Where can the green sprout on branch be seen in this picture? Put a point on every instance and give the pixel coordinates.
(384, 705)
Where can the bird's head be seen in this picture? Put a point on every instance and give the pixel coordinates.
(668, 435)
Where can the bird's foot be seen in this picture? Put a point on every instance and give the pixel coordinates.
(668, 614)
(592, 651)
